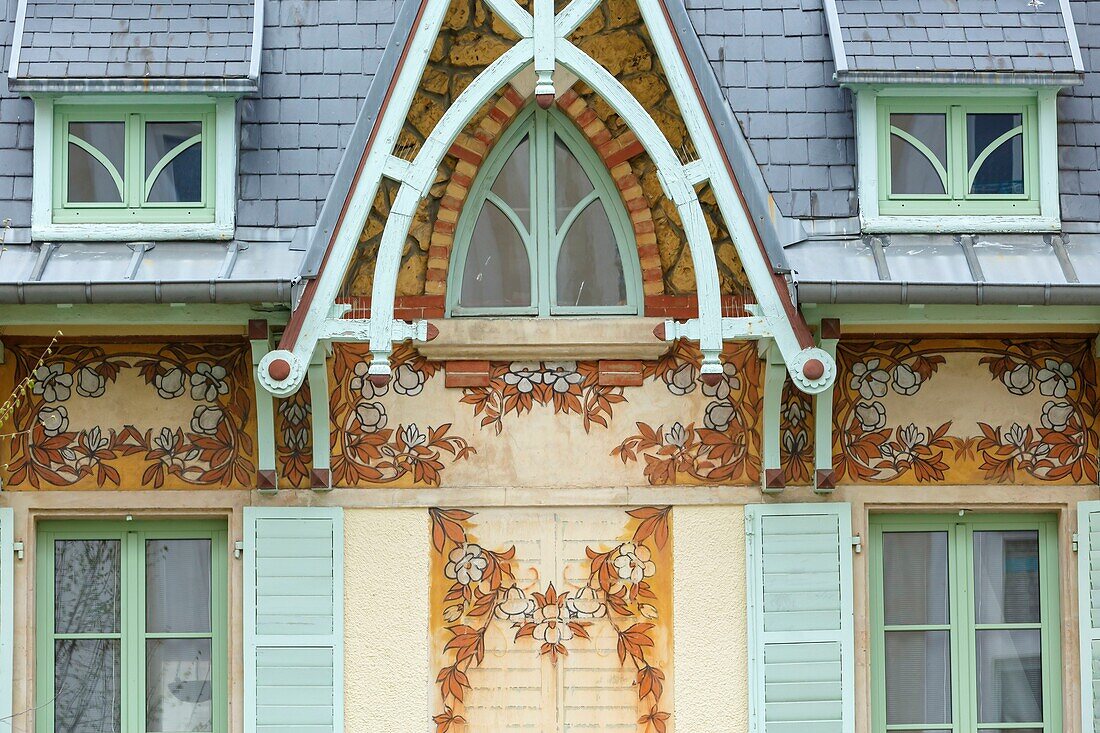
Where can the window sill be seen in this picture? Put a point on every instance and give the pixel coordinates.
(958, 224)
(540, 339)
(130, 232)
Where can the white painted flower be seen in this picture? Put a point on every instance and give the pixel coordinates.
(906, 380)
(408, 381)
(466, 564)
(208, 382)
(54, 420)
(586, 603)
(794, 442)
(795, 412)
(911, 436)
(550, 626)
(1056, 378)
(682, 380)
(718, 415)
(633, 563)
(371, 415)
(869, 380)
(94, 440)
(871, 415)
(206, 419)
(728, 383)
(90, 383)
(452, 613)
(171, 384)
(1019, 379)
(561, 375)
(1017, 436)
(524, 375)
(1056, 415)
(53, 383)
(168, 441)
(676, 435)
(412, 436)
(296, 438)
(293, 412)
(514, 605)
(361, 383)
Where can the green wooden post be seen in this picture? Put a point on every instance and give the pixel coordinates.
(775, 376)
(267, 470)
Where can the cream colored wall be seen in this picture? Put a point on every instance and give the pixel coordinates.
(709, 622)
(386, 576)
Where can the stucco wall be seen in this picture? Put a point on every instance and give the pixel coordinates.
(385, 619)
(710, 626)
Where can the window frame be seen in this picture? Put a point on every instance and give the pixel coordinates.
(53, 217)
(542, 126)
(132, 535)
(882, 211)
(962, 626)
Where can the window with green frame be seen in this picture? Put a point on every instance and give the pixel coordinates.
(120, 163)
(544, 231)
(952, 156)
(965, 623)
(131, 627)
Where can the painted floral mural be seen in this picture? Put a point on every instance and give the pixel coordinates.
(500, 604)
(366, 447)
(294, 438)
(131, 416)
(976, 411)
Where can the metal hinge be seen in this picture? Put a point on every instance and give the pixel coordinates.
(1074, 538)
(18, 548)
(238, 549)
(857, 544)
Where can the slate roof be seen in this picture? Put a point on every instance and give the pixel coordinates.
(1009, 36)
(206, 41)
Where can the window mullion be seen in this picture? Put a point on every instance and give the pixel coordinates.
(959, 652)
(133, 681)
(542, 209)
(969, 683)
(132, 178)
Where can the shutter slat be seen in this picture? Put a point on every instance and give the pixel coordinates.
(800, 618)
(294, 620)
(1088, 593)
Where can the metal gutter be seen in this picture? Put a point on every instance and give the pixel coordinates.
(995, 78)
(344, 178)
(926, 293)
(234, 85)
(149, 291)
(774, 228)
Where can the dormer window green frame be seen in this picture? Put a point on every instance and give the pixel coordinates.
(125, 167)
(544, 231)
(959, 159)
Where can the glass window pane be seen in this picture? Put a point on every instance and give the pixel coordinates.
(497, 272)
(89, 180)
(87, 688)
(1010, 676)
(589, 269)
(87, 586)
(911, 170)
(1006, 577)
(914, 570)
(571, 183)
(1002, 172)
(513, 183)
(177, 586)
(180, 179)
(179, 686)
(918, 677)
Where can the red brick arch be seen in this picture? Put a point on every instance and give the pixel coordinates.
(471, 150)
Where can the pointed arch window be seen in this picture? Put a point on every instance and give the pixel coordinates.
(544, 231)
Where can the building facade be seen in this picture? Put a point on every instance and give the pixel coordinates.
(471, 366)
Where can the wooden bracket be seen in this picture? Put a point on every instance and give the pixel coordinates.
(321, 477)
(824, 477)
(775, 376)
(267, 474)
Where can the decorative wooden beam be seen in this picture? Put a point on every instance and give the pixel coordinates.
(775, 376)
(321, 476)
(824, 478)
(267, 475)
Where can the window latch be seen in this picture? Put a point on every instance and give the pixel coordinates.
(18, 548)
(857, 544)
(238, 549)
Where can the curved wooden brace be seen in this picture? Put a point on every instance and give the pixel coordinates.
(103, 160)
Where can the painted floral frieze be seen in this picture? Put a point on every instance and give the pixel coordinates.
(367, 447)
(611, 602)
(973, 411)
(79, 426)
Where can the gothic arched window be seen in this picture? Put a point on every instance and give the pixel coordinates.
(544, 231)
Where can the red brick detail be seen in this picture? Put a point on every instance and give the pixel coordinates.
(464, 153)
(616, 373)
(467, 374)
(683, 307)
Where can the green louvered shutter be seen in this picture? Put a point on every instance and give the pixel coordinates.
(294, 620)
(7, 629)
(801, 661)
(1088, 593)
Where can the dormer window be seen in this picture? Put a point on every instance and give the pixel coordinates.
(116, 169)
(544, 231)
(966, 160)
